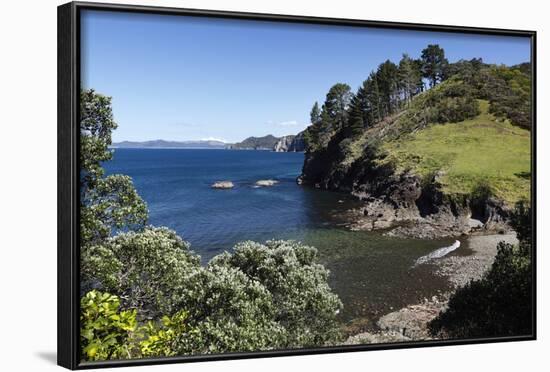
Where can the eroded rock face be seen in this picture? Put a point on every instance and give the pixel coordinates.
(291, 143)
(283, 144)
(404, 206)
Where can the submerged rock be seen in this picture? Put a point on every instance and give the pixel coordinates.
(223, 185)
(266, 183)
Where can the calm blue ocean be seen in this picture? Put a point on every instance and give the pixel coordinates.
(176, 184)
(371, 273)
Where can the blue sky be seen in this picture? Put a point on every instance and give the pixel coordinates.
(188, 78)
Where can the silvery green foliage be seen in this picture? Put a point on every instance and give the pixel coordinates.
(228, 312)
(305, 305)
(146, 269)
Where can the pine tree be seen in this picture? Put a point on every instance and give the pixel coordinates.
(336, 105)
(373, 99)
(387, 78)
(410, 78)
(358, 111)
(434, 64)
(315, 114)
(313, 131)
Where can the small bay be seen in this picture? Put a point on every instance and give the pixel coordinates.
(371, 273)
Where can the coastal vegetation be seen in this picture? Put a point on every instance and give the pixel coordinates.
(145, 293)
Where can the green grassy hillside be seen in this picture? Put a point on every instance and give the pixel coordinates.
(479, 152)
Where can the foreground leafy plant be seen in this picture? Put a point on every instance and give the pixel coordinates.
(106, 331)
(160, 338)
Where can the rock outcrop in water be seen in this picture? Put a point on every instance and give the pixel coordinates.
(266, 183)
(223, 185)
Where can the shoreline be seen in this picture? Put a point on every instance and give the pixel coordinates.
(410, 323)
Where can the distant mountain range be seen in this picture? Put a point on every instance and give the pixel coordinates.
(162, 144)
(291, 143)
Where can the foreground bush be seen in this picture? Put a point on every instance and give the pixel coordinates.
(228, 312)
(146, 269)
(260, 297)
(305, 305)
(497, 305)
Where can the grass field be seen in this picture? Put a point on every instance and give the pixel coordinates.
(471, 153)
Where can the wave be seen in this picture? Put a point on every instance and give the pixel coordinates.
(438, 253)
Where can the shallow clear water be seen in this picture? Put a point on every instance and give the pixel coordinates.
(371, 273)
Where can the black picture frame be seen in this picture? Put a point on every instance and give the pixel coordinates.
(68, 178)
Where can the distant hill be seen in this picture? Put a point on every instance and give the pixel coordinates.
(161, 144)
(256, 143)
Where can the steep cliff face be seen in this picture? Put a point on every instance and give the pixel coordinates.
(292, 143)
(298, 143)
(421, 178)
(283, 144)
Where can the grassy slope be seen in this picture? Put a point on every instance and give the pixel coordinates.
(480, 151)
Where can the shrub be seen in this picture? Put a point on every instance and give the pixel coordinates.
(304, 303)
(147, 269)
(112, 204)
(260, 297)
(509, 91)
(228, 312)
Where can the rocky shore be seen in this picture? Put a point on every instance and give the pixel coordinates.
(410, 323)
